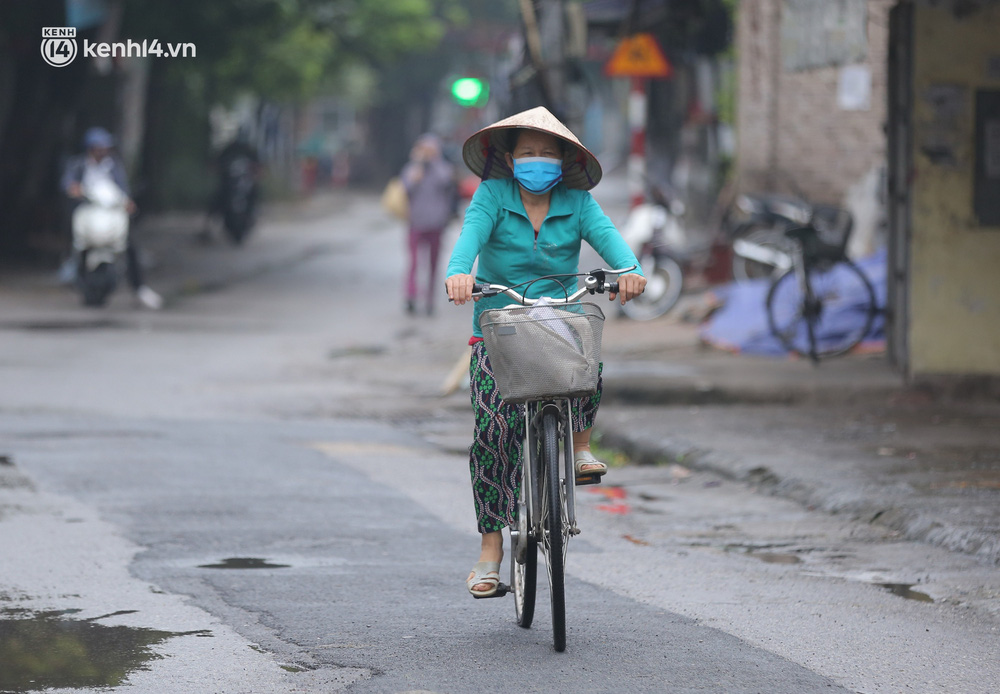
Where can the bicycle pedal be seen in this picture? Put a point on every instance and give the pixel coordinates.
(583, 480)
(502, 590)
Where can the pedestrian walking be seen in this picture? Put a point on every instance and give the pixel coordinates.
(432, 192)
(526, 220)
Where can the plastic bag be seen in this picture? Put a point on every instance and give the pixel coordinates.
(395, 201)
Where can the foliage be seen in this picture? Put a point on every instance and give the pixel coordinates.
(288, 49)
(726, 95)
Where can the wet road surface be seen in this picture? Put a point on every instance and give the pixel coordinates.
(292, 426)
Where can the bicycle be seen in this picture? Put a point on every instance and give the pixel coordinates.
(544, 352)
(812, 308)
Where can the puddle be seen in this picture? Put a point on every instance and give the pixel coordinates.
(50, 650)
(905, 590)
(244, 563)
(775, 558)
(85, 434)
(357, 351)
(767, 557)
(293, 668)
(63, 325)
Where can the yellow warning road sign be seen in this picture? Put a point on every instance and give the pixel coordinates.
(638, 56)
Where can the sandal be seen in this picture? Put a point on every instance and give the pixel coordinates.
(484, 572)
(591, 475)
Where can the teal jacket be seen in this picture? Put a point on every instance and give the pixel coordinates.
(497, 230)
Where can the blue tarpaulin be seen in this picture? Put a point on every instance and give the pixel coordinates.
(741, 324)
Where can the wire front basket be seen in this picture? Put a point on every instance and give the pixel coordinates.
(540, 352)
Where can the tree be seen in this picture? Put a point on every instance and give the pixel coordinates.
(283, 49)
(34, 102)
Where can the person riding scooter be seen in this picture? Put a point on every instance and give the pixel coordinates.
(97, 167)
(235, 199)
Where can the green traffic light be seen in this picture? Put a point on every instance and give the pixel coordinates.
(470, 91)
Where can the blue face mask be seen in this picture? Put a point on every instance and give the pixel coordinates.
(537, 174)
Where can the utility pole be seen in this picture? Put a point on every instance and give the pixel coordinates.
(639, 58)
(636, 167)
(533, 39)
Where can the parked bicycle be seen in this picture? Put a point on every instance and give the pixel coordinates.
(544, 352)
(823, 305)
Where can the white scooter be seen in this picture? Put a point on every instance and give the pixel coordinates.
(100, 236)
(654, 233)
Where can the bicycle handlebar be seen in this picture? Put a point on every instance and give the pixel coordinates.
(594, 283)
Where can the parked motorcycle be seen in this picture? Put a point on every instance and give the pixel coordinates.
(239, 197)
(653, 231)
(757, 229)
(100, 235)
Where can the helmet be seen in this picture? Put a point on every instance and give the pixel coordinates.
(98, 138)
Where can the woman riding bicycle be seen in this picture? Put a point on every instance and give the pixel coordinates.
(526, 220)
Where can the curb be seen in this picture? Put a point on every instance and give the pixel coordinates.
(654, 391)
(867, 508)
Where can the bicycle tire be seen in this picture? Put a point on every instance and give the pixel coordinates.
(524, 565)
(552, 528)
(664, 284)
(788, 319)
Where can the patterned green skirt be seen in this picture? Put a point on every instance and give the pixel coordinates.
(495, 454)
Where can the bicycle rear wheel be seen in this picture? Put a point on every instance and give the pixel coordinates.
(839, 314)
(553, 540)
(767, 249)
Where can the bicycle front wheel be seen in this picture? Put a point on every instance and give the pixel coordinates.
(831, 318)
(524, 559)
(553, 540)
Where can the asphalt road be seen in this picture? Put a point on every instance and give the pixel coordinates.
(269, 476)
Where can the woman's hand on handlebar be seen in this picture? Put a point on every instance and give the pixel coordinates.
(629, 287)
(460, 288)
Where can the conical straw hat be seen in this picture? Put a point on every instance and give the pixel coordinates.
(484, 152)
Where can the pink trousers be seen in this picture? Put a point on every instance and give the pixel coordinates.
(429, 239)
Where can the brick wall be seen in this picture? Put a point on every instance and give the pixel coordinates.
(792, 136)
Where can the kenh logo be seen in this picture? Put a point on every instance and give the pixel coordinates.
(59, 48)
(59, 45)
